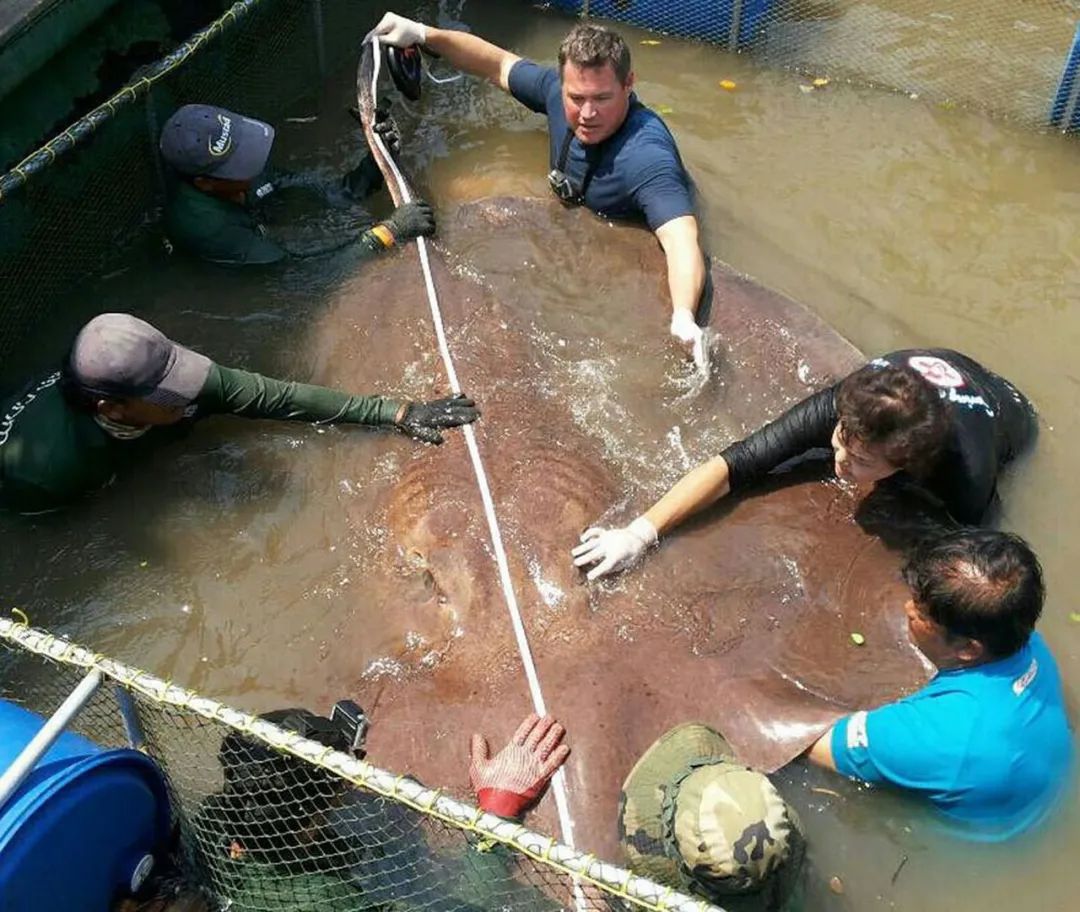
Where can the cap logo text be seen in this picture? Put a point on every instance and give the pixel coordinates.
(223, 144)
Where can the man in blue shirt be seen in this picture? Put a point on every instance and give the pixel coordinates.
(987, 740)
(608, 151)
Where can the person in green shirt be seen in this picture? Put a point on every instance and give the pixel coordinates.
(218, 169)
(125, 386)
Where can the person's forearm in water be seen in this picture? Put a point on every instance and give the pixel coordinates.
(239, 392)
(696, 490)
(686, 280)
(685, 263)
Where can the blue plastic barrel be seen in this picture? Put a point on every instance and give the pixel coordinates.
(76, 830)
(708, 20)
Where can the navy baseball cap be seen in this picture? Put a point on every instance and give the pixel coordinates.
(119, 356)
(202, 140)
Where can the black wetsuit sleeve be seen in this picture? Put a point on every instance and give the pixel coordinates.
(805, 426)
(239, 392)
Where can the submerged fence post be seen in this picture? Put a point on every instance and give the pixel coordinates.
(129, 713)
(153, 131)
(736, 23)
(320, 38)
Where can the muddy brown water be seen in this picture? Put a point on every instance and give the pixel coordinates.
(241, 561)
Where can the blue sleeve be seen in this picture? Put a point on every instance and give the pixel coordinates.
(917, 743)
(661, 190)
(532, 84)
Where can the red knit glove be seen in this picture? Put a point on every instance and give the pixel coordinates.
(514, 780)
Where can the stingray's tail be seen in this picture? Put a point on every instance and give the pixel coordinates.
(367, 79)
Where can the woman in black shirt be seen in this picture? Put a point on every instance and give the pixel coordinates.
(933, 414)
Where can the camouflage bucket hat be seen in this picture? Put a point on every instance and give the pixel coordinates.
(692, 817)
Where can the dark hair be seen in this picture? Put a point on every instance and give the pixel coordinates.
(595, 46)
(895, 409)
(981, 584)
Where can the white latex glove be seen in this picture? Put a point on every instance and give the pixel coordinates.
(684, 328)
(614, 549)
(398, 31)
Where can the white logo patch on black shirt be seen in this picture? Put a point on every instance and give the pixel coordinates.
(937, 371)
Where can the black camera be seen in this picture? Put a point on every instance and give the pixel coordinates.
(563, 187)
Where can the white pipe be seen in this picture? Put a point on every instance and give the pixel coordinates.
(24, 764)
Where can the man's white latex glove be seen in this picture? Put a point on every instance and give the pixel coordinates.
(398, 31)
(684, 328)
(614, 549)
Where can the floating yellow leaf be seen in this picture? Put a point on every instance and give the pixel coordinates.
(143, 563)
(821, 81)
(1074, 616)
(664, 109)
(727, 85)
(650, 42)
(858, 639)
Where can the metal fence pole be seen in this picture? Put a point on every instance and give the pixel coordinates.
(129, 712)
(24, 764)
(736, 22)
(153, 130)
(320, 38)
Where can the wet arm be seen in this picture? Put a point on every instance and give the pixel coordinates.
(472, 54)
(805, 426)
(250, 395)
(685, 262)
(698, 489)
(820, 752)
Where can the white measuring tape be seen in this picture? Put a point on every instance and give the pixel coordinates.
(558, 782)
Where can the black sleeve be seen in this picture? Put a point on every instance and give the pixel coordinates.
(805, 426)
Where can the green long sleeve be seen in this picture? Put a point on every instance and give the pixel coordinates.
(368, 244)
(239, 392)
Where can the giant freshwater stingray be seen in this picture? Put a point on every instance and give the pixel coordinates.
(743, 619)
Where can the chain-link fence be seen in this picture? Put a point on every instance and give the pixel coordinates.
(1002, 56)
(269, 821)
(71, 210)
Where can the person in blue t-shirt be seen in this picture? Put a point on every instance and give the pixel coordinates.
(986, 740)
(608, 151)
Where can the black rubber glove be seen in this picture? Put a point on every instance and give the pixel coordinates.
(411, 220)
(384, 125)
(366, 177)
(422, 420)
